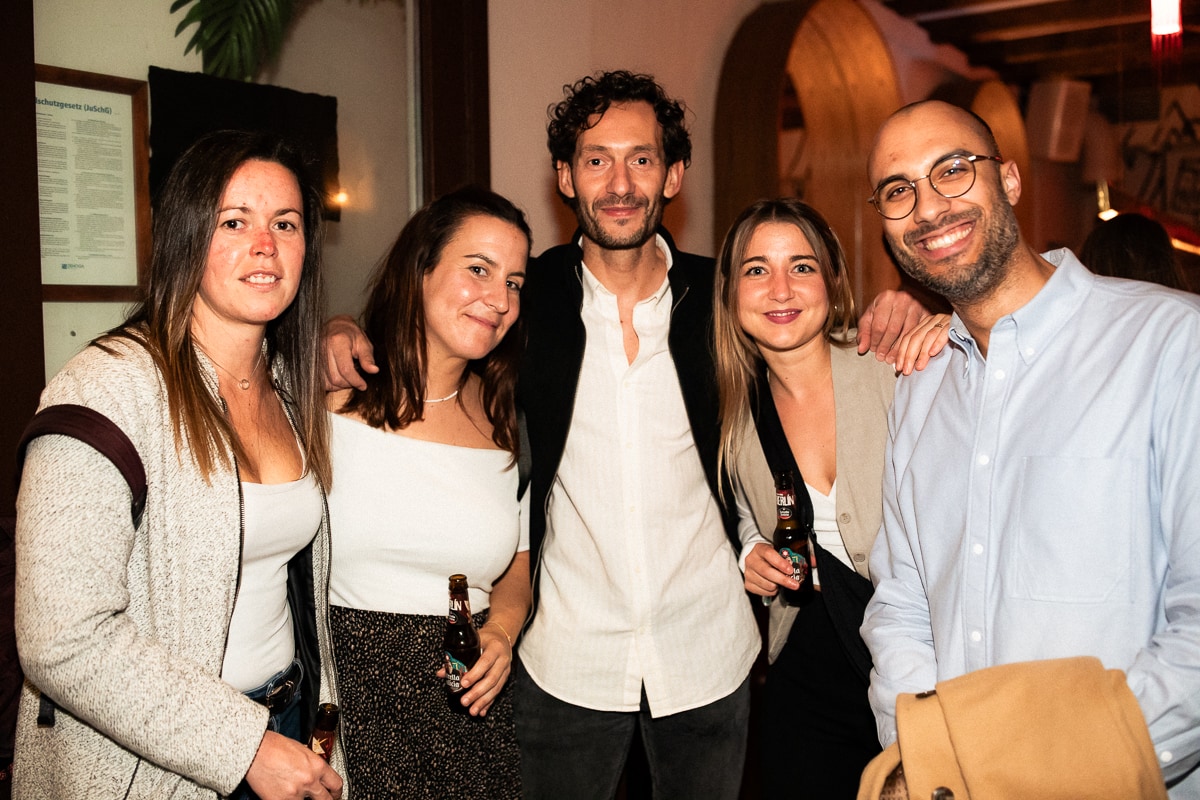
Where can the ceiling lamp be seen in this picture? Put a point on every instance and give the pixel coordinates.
(1166, 32)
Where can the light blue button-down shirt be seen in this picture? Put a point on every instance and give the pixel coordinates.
(1045, 503)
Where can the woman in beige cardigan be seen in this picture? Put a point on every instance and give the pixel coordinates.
(186, 652)
(795, 395)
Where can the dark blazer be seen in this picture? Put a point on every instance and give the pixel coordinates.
(550, 305)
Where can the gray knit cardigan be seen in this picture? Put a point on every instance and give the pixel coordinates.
(126, 629)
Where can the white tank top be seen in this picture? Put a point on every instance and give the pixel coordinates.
(280, 520)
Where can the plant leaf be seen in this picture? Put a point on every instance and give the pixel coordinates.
(235, 36)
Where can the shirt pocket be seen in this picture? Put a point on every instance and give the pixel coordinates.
(1074, 534)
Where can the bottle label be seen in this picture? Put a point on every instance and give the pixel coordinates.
(799, 564)
(322, 743)
(458, 612)
(785, 503)
(455, 669)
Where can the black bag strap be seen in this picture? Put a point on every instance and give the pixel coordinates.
(102, 434)
(524, 457)
(775, 444)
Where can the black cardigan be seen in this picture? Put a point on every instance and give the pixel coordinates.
(550, 305)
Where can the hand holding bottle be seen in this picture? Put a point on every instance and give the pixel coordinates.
(793, 540)
(767, 571)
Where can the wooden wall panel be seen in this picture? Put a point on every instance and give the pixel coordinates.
(455, 127)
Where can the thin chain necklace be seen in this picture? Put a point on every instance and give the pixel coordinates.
(450, 396)
(242, 383)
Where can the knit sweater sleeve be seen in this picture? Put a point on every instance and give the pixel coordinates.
(87, 635)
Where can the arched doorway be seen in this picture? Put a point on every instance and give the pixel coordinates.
(803, 88)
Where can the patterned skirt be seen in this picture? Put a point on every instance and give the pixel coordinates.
(401, 738)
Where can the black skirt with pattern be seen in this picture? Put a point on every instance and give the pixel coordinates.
(401, 738)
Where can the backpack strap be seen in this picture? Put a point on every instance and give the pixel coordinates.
(102, 434)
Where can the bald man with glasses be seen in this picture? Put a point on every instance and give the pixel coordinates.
(1042, 487)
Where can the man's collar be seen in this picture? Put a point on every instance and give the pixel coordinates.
(1043, 317)
(592, 285)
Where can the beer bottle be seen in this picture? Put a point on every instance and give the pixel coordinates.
(325, 730)
(791, 539)
(461, 644)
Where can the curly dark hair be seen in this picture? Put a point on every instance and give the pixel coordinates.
(593, 95)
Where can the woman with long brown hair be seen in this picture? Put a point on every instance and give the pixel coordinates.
(186, 652)
(427, 487)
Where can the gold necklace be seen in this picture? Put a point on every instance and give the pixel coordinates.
(242, 383)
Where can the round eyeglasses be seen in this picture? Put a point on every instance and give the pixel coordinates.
(953, 176)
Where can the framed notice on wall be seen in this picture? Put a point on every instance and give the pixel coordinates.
(93, 185)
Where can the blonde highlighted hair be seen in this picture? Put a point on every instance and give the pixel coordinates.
(738, 360)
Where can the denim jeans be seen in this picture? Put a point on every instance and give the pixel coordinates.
(285, 721)
(569, 751)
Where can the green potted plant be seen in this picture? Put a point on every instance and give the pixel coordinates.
(235, 37)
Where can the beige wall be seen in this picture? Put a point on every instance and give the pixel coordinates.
(353, 50)
(113, 37)
(357, 51)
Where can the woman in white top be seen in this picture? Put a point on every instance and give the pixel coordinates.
(795, 395)
(185, 650)
(427, 487)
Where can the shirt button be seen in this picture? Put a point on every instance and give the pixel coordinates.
(844, 518)
(1166, 756)
(977, 549)
(976, 636)
(860, 557)
(983, 460)
(1028, 351)
(999, 374)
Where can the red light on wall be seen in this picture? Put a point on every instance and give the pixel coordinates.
(1165, 18)
(1166, 37)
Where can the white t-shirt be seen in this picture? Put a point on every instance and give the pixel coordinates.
(405, 514)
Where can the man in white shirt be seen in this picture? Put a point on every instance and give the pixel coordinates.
(640, 616)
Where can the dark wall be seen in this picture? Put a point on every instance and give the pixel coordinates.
(22, 363)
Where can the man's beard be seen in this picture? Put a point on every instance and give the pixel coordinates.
(970, 283)
(628, 237)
